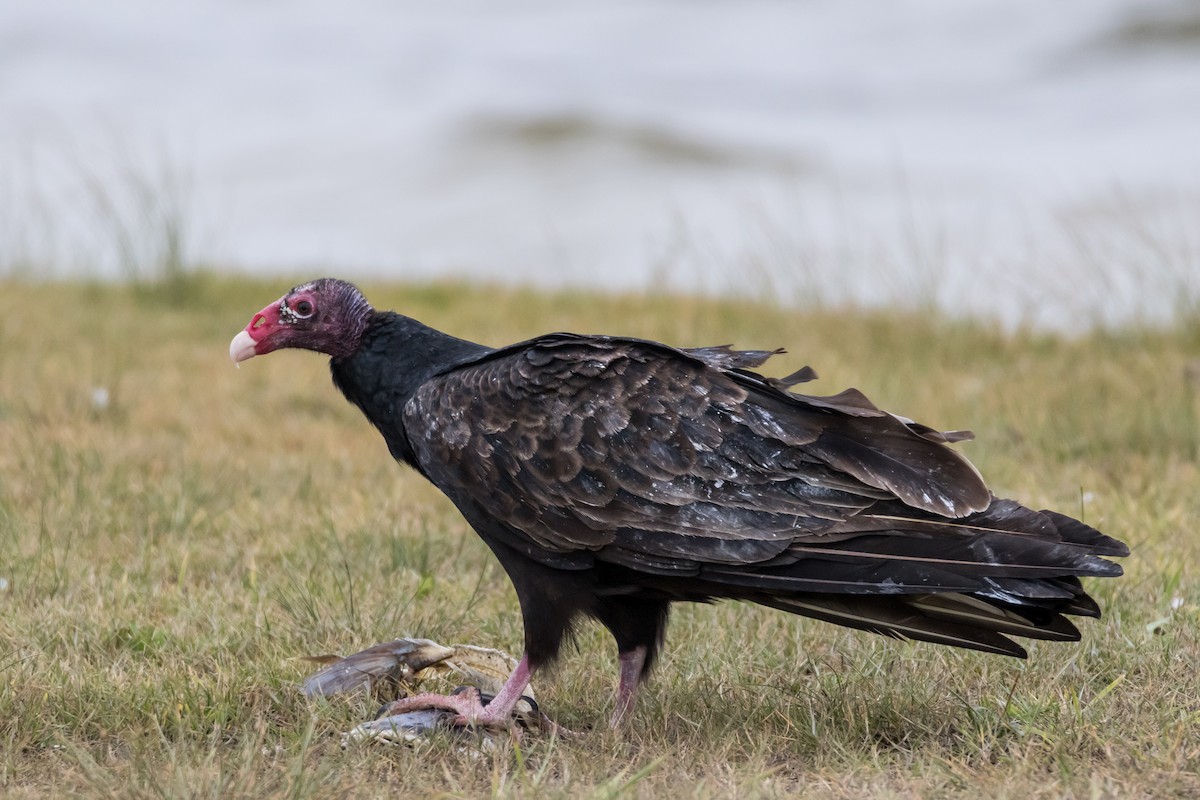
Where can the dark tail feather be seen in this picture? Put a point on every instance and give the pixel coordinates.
(959, 620)
(1009, 553)
(895, 617)
(912, 574)
(1031, 593)
(1076, 532)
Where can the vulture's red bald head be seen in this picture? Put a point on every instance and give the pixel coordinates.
(325, 315)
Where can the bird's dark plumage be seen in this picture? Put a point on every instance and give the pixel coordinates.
(614, 476)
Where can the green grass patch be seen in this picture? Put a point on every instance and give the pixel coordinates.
(175, 534)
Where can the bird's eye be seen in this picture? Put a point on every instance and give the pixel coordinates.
(303, 308)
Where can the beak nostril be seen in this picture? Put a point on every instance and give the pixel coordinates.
(258, 321)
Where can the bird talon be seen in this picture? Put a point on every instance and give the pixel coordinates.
(472, 694)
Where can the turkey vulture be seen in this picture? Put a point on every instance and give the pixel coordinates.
(614, 476)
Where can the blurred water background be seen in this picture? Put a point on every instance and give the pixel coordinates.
(1035, 162)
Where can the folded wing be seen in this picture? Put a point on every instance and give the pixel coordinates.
(689, 469)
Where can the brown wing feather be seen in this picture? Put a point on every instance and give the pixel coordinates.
(667, 460)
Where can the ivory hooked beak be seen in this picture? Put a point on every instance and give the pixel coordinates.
(242, 347)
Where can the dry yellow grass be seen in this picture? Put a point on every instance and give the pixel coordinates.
(165, 558)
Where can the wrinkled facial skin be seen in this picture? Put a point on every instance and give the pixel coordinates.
(314, 316)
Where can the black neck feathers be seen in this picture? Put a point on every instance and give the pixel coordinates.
(397, 355)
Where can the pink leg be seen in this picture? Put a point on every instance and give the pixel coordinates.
(631, 676)
(471, 711)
